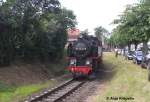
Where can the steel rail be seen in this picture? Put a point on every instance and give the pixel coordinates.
(65, 89)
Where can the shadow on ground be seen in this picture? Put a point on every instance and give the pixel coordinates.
(106, 72)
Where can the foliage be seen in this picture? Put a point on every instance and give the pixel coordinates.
(100, 32)
(33, 29)
(133, 26)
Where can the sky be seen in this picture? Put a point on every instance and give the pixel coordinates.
(93, 13)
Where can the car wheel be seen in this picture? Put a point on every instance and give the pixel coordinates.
(143, 65)
(148, 68)
(136, 62)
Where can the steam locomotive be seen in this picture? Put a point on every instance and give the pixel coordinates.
(84, 55)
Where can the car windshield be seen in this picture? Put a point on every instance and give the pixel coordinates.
(139, 53)
(130, 52)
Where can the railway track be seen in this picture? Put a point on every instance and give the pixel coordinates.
(59, 93)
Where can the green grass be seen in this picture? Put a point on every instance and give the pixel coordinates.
(58, 68)
(129, 81)
(16, 94)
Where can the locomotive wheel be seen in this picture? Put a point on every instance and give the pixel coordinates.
(91, 76)
(95, 65)
(74, 76)
(99, 65)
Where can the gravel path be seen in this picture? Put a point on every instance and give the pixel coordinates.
(91, 88)
(82, 93)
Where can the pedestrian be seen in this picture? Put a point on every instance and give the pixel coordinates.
(116, 52)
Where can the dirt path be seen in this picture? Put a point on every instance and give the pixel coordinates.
(105, 74)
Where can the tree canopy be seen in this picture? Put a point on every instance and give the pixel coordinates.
(100, 32)
(33, 29)
(133, 26)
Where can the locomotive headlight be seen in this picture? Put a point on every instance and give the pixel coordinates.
(72, 61)
(88, 62)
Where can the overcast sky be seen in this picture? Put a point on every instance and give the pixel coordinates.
(93, 13)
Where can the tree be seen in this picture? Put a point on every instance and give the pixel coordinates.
(33, 29)
(134, 24)
(99, 32)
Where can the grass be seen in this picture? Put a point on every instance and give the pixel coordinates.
(58, 68)
(129, 81)
(13, 93)
(16, 94)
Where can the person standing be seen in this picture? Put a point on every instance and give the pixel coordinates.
(116, 52)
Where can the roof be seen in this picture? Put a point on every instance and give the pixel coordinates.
(73, 34)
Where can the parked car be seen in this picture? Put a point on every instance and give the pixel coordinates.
(119, 51)
(146, 61)
(146, 64)
(130, 55)
(137, 57)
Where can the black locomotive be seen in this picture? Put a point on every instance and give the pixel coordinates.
(84, 55)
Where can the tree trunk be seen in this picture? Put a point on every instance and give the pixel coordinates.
(145, 48)
(124, 51)
(135, 46)
(129, 47)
